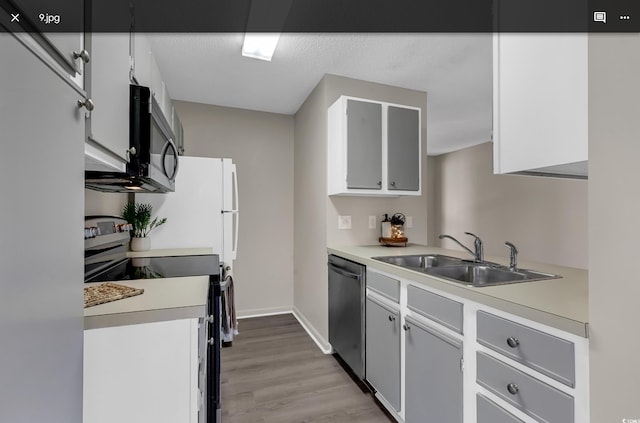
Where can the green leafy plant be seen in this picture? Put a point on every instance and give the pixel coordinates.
(139, 215)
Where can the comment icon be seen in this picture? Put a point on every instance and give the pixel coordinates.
(600, 17)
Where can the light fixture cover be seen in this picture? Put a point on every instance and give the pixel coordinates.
(260, 45)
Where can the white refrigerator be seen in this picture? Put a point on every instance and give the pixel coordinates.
(203, 210)
(202, 213)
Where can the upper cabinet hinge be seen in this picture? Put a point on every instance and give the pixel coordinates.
(462, 364)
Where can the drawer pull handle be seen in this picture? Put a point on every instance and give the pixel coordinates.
(406, 327)
(513, 388)
(392, 318)
(513, 342)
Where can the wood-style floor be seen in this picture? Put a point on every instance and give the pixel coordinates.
(275, 373)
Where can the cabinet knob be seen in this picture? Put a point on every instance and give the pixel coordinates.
(132, 151)
(87, 104)
(392, 318)
(513, 342)
(393, 184)
(209, 318)
(406, 327)
(513, 388)
(211, 341)
(82, 54)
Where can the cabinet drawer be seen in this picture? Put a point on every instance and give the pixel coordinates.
(550, 355)
(524, 392)
(436, 307)
(489, 412)
(384, 285)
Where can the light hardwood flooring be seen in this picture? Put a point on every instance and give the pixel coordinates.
(275, 373)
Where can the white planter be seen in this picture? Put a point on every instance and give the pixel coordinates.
(140, 244)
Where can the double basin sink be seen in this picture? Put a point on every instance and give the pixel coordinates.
(465, 271)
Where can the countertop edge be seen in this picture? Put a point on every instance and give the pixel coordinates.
(145, 316)
(553, 320)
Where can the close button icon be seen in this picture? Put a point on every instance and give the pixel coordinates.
(15, 18)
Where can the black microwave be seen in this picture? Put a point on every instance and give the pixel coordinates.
(153, 154)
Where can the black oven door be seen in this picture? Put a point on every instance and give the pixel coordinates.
(214, 411)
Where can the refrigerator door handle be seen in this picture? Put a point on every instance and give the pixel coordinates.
(234, 247)
(234, 251)
(234, 174)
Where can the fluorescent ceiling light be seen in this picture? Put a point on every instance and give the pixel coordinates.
(260, 45)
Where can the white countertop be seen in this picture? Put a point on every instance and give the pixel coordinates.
(163, 298)
(560, 303)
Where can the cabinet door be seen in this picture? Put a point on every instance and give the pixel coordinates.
(67, 19)
(488, 412)
(41, 305)
(433, 376)
(109, 89)
(364, 145)
(383, 351)
(141, 373)
(141, 59)
(403, 149)
(540, 103)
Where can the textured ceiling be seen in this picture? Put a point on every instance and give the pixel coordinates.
(454, 69)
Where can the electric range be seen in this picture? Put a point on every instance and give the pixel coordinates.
(106, 238)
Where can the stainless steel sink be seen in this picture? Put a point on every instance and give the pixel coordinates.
(482, 275)
(422, 261)
(463, 271)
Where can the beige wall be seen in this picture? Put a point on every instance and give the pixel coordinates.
(316, 214)
(310, 214)
(261, 145)
(103, 203)
(614, 231)
(546, 218)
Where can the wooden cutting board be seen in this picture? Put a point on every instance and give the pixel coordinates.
(107, 292)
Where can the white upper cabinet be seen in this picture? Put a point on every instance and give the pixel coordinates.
(141, 59)
(374, 148)
(108, 76)
(145, 71)
(540, 104)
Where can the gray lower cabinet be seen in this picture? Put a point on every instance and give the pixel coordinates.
(364, 146)
(433, 376)
(383, 350)
(489, 412)
(403, 153)
(548, 354)
(534, 397)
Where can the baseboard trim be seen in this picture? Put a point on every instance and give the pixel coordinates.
(247, 314)
(322, 343)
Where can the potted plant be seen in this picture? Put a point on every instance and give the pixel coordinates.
(139, 216)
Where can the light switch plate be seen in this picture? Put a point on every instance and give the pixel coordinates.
(372, 222)
(409, 222)
(344, 222)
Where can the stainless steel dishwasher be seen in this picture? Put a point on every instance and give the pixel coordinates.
(347, 312)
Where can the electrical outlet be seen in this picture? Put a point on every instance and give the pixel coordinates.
(409, 222)
(344, 222)
(372, 222)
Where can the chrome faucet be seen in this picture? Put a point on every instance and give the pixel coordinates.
(478, 255)
(513, 256)
(477, 243)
